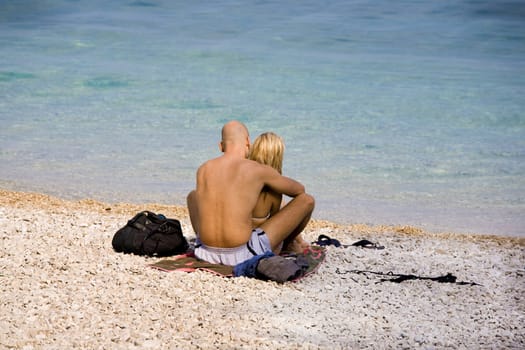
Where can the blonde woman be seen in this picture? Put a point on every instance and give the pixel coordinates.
(268, 149)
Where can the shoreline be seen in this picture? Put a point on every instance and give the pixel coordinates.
(44, 201)
(428, 220)
(63, 286)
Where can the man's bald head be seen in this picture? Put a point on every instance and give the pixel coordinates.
(234, 133)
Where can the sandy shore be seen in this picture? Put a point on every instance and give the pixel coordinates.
(63, 287)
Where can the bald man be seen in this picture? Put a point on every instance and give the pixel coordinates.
(226, 193)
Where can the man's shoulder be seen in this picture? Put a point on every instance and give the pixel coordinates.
(243, 163)
(255, 167)
(209, 163)
(204, 168)
(252, 164)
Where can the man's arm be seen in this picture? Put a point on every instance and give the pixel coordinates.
(281, 184)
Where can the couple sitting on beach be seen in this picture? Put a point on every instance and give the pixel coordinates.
(236, 209)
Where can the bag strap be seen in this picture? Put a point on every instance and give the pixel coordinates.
(158, 219)
(398, 278)
(134, 219)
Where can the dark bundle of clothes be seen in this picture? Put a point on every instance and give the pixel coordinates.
(271, 267)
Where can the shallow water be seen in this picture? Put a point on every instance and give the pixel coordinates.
(393, 112)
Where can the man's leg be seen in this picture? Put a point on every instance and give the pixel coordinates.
(289, 222)
(191, 200)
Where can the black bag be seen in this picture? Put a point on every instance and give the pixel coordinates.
(150, 234)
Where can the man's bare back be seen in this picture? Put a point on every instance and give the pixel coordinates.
(227, 188)
(227, 191)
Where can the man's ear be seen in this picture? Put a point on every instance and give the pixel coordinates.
(221, 147)
(248, 145)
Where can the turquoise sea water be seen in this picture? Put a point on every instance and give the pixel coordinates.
(393, 112)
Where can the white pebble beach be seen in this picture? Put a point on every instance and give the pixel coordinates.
(63, 287)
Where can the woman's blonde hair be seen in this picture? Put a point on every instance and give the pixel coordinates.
(268, 148)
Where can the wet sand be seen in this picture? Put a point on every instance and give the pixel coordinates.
(63, 286)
